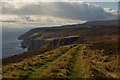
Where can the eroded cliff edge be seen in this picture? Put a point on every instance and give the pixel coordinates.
(36, 44)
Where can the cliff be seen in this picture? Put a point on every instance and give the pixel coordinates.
(36, 44)
(89, 32)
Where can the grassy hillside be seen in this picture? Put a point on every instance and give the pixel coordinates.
(70, 61)
(28, 54)
(90, 32)
(87, 50)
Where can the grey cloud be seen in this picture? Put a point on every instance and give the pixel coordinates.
(74, 10)
(8, 21)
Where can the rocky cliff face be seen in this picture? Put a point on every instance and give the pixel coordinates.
(36, 44)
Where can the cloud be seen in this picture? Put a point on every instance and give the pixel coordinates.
(73, 10)
(109, 10)
(41, 21)
(53, 13)
(8, 21)
(60, 0)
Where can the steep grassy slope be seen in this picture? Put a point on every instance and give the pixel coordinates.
(70, 61)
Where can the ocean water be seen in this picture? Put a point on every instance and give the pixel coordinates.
(10, 44)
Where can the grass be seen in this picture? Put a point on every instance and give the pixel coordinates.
(77, 66)
(59, 68)
(25, 68)
(101, 64)
(25, 55)
(70, 61)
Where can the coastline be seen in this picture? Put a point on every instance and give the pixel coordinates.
(11, 46)
(19, 45)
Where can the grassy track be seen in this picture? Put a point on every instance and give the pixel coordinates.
(70, 61)
(52, 69)
(39, 71)
(25, 68)
(78, 70)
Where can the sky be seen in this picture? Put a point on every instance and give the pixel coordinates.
(61, 0)
(112, 5)
(45, 14)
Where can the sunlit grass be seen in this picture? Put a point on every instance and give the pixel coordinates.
(25, 68)
(70, 61)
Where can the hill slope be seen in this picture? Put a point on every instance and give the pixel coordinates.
(87, 50)
(90, 32)
(70, 61)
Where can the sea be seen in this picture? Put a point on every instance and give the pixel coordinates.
(10, 43)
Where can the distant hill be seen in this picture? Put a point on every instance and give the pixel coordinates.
(111, 23)
(89, 32)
